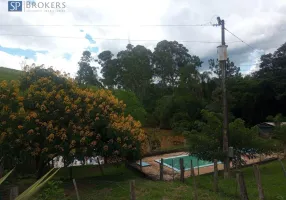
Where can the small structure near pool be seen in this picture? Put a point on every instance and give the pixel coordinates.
(266, 128)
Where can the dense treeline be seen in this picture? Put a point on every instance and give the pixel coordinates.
(171, 88)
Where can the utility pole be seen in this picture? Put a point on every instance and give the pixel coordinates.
(222, 54)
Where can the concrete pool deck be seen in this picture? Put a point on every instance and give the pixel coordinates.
(153, 170)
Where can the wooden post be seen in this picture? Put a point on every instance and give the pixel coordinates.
(182, 170)
(215, 176)
(132, 190)
(242, 187)
(194, 181)
(141, 164)
(76, 190)
(173, 169)
(258, 182)
(161, 169)
(100, 167)
(14, 192)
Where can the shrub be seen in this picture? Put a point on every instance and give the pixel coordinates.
(54, 117)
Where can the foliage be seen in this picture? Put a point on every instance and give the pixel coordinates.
(52, 191)
(177, 111)
(56, 117)
(163, 111)
(279, 130)
(133, 105)
(153, 140)
(280, 134)
(87, 74)
(33, 189)
(181, 122)
(131, 70)
(169, 59)
(208, 133)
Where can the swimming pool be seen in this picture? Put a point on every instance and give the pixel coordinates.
(187, 162)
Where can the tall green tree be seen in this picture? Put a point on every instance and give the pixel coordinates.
(87, 74)
(169, 57)
(110, 70)
(130, 70)
(136, 70)
(272, 75)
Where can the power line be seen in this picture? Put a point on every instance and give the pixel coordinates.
(110, 25)
(239, 38)
(113, 39)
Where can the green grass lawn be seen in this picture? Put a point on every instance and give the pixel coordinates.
(115, 185)
(9, 74)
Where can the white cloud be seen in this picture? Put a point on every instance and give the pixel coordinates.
(11, 61)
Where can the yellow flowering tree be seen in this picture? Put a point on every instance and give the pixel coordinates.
(55, 117)
(10, 101)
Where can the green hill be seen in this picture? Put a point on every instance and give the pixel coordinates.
(9, 74)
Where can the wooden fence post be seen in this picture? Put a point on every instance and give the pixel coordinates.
(75, 187)
(215, 176)
(182, 169)
(132, 190)
(173, 169)
(161, 169)
(14, 192)
(100, 167)
(242, 187)
(258, 182)
(194, 181)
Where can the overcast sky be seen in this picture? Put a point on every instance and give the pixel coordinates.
(260, 23)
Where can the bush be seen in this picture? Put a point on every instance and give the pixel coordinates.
(52, 191)
(206, 140)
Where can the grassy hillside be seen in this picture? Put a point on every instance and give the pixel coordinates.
(9, 74)
(115, 185)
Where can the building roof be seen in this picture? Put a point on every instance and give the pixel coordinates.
(272, 123)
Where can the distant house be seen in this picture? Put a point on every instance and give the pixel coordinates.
(266, 128)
